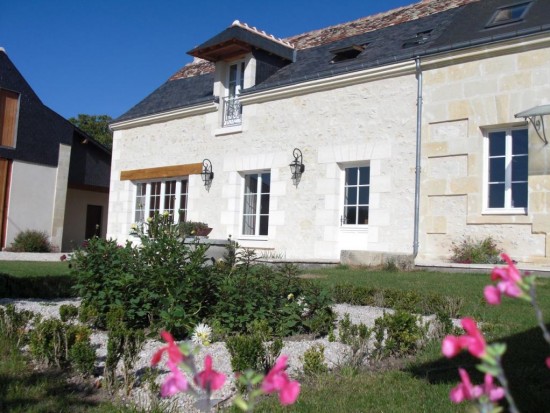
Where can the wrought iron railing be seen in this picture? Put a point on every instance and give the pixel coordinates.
(232, 111)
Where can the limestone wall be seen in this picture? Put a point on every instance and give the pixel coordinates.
(461, 100)
(369, 122)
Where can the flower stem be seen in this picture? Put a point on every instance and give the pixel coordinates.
(504, 382)
(538, 313)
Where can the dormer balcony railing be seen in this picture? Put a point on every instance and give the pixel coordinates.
(232, 111)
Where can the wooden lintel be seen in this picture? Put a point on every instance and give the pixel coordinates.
(161, 172)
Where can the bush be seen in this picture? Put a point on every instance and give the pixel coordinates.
(48, 286)
(31, 241)
(162, 281)
(469, 251)
(68, 312)
(13, 323)
(314, 360)
(397, 334)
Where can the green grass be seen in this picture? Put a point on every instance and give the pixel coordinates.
(34, 268)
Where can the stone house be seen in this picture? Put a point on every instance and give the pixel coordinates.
(53, 177)
(403, 121)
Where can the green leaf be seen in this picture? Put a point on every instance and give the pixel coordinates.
(241, 403)
(492, 370)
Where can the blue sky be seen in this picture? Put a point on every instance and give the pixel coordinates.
(104, 56)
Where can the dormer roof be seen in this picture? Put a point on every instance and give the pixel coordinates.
(239, 39)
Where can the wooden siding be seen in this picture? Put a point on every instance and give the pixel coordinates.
(161, 172)
(9, 107)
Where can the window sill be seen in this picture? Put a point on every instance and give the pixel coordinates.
(504, 211)
(354, 228)
(229, 130)
(253, 237)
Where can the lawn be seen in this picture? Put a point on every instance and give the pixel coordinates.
(34, 268)
(420, 383)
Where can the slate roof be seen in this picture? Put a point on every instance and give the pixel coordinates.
(454, 24)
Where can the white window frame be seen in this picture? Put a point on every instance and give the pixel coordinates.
(507, 209)
(228, 96)
(257, 214)
(353, 227)
(178, 195)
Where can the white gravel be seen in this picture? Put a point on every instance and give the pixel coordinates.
(335, 353)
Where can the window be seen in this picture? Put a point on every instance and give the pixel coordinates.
(356, 196)
(418, 39)
(9, 109)
(347, 53)
(232, 110)
(161, 196)
(256, 203)
(509, 14)
(507, 169)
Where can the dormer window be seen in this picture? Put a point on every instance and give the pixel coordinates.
(419, 39)
(232, 109)
(347, 53)
(509, 14)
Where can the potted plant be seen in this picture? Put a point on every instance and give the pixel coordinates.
(194, 229)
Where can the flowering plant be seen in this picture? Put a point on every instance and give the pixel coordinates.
(209, 380)
(511, 283)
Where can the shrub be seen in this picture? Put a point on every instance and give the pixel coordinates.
(469, 251)
(13, 323)
(192, 228)
(162, 281)
(31, 241)
(82, 356)
(397, 334)
(68, 312)
(47, 286)
(314, 360)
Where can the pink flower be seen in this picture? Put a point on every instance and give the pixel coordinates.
(494, 393)
(548, 362)
(473, 341)
(465, 390)
(209, 379)
(174, 353)
(509, 284)
(277, 381)
(174, 382)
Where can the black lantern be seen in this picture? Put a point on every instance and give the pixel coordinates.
(207, 175)
(297, 168)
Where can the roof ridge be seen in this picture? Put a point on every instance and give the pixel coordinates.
(340, 31)
(262, 33)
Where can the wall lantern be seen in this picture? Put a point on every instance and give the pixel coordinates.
(535, 116)
(207, 175)
(297, 167)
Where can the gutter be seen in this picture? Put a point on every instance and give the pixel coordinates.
(418, 157)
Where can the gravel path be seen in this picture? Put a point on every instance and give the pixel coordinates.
(335, 352)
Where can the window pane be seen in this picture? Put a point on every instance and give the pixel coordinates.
(351, 196)
(248, 225)
(154, 199)
(497, 170)
(350, 215)
(264, 205)
(250, 204)
(497, 143)
(519, 168)
(496, 196)
(363, 215)
(520, 142)
(266, 183)
(364, 195)
(519, 195)
(251, 184)
(264, 223)
(351, 176)
(364, 175)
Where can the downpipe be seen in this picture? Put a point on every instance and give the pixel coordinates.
(418, 156)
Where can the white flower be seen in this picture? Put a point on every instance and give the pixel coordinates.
(202, 334)
(290, 296)
(134, 226)
(301, 301)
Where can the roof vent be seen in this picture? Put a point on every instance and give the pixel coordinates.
(420, 38)
(509, 14)
(347, 53)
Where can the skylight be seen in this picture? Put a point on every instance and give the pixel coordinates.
(509, 14)
(347, 53)
(420, 38)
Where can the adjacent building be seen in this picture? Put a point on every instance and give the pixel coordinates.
(53, 177)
